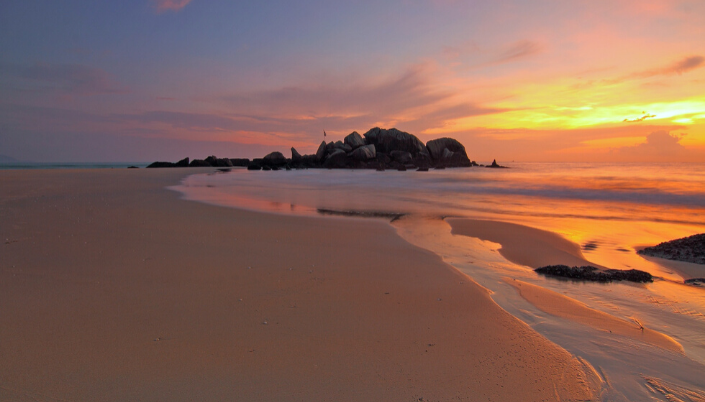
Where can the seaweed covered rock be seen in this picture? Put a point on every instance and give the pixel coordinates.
(590, 273)
(688, 249)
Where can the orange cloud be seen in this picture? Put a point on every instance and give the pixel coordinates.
(169, 5)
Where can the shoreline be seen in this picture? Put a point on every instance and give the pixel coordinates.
(114, 288)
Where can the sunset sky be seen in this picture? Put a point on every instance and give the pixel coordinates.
(144, 80)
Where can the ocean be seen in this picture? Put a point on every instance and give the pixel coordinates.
(610, 210)
(70, 165)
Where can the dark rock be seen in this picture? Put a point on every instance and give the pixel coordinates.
(219, 162)
(496, 165)
(161, 165)
(689, 249)
(354, 140)
(265, 167)
(695, 281)
(382, 157)
(133, 167)
(335, 159)
(182, 163)
(435, 147)
(274, 159)
(422, 169)
(344, 147)
(240, 161)
(393, 140)
(590, 273)
(199, 163)
(295, 156)
(321, 152)
(401, 156)
(364, 153)
(402, 168)
(254, 167)
(449, 152)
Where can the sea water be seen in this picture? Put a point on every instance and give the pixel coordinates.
(611, 210)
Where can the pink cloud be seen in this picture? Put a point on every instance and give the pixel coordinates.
(169, 5)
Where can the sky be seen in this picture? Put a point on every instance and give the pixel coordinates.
(516, 80)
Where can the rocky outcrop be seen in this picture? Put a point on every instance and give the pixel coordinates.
(321, 153)
(402, 157)
(590, 273)
(379, 148)
(218, 162)
(496, 165)
(295, 156)
(335, 159)
(390, 140)
(244, 162)
(364, 153)
(161, 165)
(199, 163)
(449, 152)
(354, 140)
(688, 249)
(274, 159)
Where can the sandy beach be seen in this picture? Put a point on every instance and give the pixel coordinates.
(112, 288)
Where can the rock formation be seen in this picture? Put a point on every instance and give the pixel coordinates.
(378, 148)
(590, 273)
(689, 249)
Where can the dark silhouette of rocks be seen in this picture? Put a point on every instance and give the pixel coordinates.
(590, 273)
(243, 162)
(496, 165)
(295, 155)
(364, 153)
(688, 249)
(321, 152)
(133, 167)
(161, 165)
(199, 163)
(448, 151)
(354, 140)
(379, 149)
(394, 140)
(274, 159)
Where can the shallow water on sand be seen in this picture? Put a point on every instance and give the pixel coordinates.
(608, 209)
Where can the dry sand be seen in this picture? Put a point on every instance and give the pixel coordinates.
(114, 289)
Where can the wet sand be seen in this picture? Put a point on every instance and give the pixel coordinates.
(521, 244)
(113, 289)
(562, 306)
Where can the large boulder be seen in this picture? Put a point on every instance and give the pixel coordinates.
(364, 153)
(321, 152)
(274, 159)
(295, 155)
(394, 140)
(182, 163)
(336, 159)
(344, 147)
(402, 157)
(354, 140)
(457, 157)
